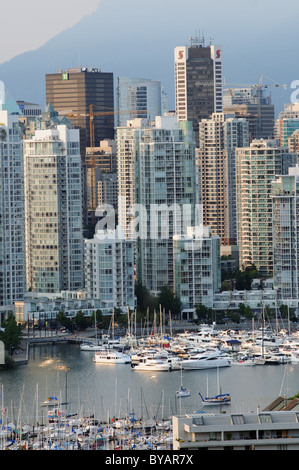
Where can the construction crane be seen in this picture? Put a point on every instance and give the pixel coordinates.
(259, 86)
(92, 167)
(258, 97)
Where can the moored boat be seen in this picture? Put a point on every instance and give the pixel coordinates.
(111, 357)
(183, 392)
(152, 364)
(206, 361)
(223, 399)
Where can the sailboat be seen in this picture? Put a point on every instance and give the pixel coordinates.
(223, 399)
(220, 399)
(183, 391)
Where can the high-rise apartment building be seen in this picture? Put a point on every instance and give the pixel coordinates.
(139, 98)
(257, 166)
(287, 123)
(109, 269)
(53, 210)
(157, 196)
(73, 91)
(197, 267)
(198, 81)
(219, 137)
(12, 241)
(285, 197)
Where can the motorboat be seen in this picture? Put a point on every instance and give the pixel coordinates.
(91, 347)
(206, 361)
(111, 357)
(152, 364)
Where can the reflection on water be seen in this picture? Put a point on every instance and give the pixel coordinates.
(114, 390)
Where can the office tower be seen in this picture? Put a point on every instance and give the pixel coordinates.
(30, 110)
(257, 166)
(197, 267)
(285, 197)
(53, 210)
(219, 137)
(74, 91)
(156, 171)
(255, 107)
(12, 242)
(139, 98)
(109, 269)
(198, 81)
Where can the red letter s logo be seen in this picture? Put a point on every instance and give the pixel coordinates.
(218, 54)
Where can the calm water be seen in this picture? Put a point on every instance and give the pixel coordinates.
(113, 390)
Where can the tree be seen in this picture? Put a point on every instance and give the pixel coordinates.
(64, 321)
(12, 334)
(144, 298)
(245, 311)
(168, 301)
(204, 313)
(245, 278)
(81, 321)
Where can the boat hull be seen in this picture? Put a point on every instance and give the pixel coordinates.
(201, 365)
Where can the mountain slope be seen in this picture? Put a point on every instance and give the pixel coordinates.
(137, 38)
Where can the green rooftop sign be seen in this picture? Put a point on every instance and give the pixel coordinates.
(65, 76)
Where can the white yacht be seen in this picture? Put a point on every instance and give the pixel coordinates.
(91, 347)
(111, 357)
(150, 363)
(206, 361)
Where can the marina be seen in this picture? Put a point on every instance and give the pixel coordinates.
(63, 399)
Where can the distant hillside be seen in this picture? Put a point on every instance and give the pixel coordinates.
(137, 38)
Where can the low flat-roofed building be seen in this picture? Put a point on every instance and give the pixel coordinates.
(265, 430)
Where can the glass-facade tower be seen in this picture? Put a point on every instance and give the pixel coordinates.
(53, 210)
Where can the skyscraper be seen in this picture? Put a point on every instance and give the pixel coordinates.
(139, 98)
(257, 166)
(198, 81)
(219, 137)
(73, 91)
(285, 197)
(156, 179)
(12, 242)
(53, 210)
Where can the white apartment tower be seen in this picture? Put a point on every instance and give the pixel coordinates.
(157, 196)
(109, 269)
(285, 197)
(53, 210)
(197, 267)
(219, 137)
(12, 245)
(257, 166)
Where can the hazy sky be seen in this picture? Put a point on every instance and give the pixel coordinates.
(28, 24)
